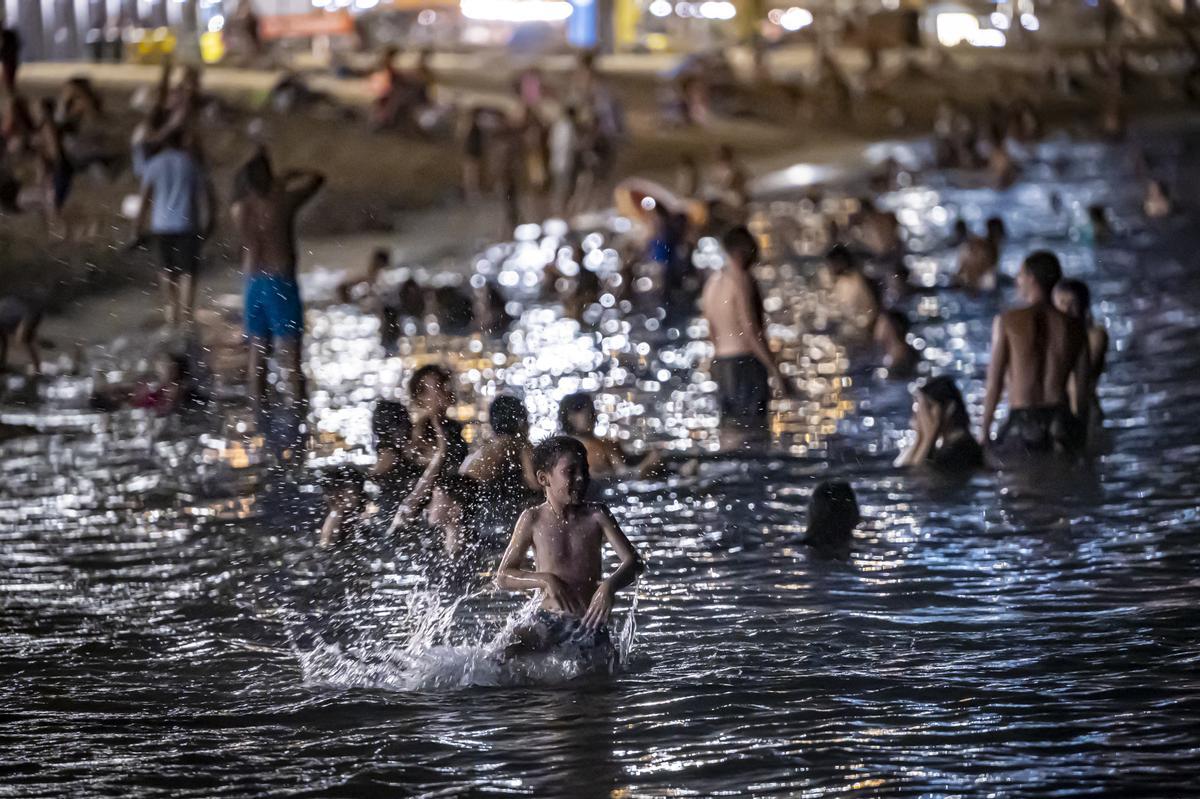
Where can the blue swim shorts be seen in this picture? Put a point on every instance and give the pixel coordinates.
(273, 307)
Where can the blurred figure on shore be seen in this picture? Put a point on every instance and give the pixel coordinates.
(688, 179)
(19, 321)
(942, 429)
(177, 212)
(264, 213)
(10, 58)
(727, 180)
(474, 155)
(564, 159)
(56, 173)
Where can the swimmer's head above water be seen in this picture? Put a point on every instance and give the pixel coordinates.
(561, 465)
(832, 516)
(577, 414)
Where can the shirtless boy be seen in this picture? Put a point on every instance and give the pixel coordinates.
(265, 215)
(1036, 352)
(567, 535)
(732, 305)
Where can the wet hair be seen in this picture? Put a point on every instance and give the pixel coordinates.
(739, 241)
(341, 478)
(174, 139)
(943, 391)
(390, 422)
(841, 260)
(832, 511)
(415, 382)
(1078, 291)
(571, 405)
(995, 228)
(255, 175)
(961, 231)
(507, 415)
(548, 453)
(1044, 268)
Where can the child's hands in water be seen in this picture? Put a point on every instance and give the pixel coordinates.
(598, 608)
(558, 593)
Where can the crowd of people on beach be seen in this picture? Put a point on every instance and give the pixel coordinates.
(428, 484)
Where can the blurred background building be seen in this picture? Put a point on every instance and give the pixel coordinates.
(141, 30)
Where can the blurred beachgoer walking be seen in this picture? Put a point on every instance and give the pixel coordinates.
(10, 58)
(265, 215)
(564, 160)
(177, 212)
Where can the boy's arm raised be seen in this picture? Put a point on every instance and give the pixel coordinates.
(511, 576)
(631, 566)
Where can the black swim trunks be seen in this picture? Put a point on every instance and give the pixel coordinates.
(178, 253)
(549, 631)
(1051, 428)
(743, 391)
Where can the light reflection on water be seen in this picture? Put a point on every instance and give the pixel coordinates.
(161, 605)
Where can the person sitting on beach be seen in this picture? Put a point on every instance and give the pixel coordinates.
(1073, 298)
(891, 338)
(265, 215)
(19, 322)
(173, 388)
(431, 395)
(1157, 203)
(855, 295)
(943, 429)
(606, 458)
(1036, 352)
(978, 258)
(743, 364)
(832, 516)
(345, 502)
(504, 463)
(567, 535)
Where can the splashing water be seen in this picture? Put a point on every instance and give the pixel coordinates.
(438, 654)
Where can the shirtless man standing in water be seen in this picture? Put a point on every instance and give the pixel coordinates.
(265, 215)
(733, 308)
(567, 535)
(1037, 351)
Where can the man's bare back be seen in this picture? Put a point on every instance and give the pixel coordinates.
(732, 305)
(1044, 348)
(266, 224)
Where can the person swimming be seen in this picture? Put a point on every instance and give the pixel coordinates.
(431, 395)
(855, 295)
(979, 257)
(567, 535)
(832, 516)
(943, 429)
(899, 357)
(503, 464)
(346, 505)
(606, 458)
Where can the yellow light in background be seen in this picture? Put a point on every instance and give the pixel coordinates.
(212, 46)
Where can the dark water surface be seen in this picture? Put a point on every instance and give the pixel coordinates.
(166, 627)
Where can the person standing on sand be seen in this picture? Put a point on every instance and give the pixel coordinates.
(178, 212)
(1036, 352)
(732, 306)
(265, 216)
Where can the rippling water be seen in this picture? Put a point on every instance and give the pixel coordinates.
(166, 627)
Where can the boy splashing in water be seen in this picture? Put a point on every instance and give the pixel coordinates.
(567, 535)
